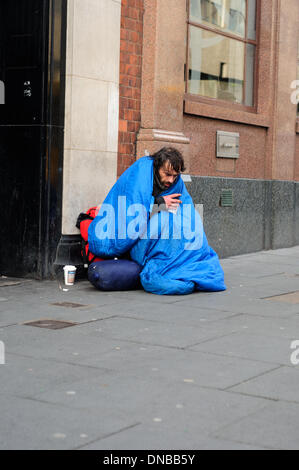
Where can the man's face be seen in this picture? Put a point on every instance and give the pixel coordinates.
(167, 174)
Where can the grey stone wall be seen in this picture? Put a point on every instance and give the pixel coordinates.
(264, 214)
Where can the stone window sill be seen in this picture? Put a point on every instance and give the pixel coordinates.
(226, 113)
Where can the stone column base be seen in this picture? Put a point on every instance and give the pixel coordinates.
(150, 141)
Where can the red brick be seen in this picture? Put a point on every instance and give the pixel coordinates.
(128, 23)
(130, 80)
(133, 13)
(123, 102)
(131, 137)
(136, 93)
(134, 70)
(122, 68)
(133, 36)
(123, 125)
(125, 58)
(137, 49)
(125, 91)
(128, 115)
(130, 47)
(139, 27)
(133, 59)
(124, 35)
(131, 126)
(125, 11)
(124, 80)
(136, 116)
(121, 138)
(140, 15)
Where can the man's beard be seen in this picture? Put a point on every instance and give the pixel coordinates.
(159, 183)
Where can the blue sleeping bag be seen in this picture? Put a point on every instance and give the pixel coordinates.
(118, 274)
(172, 249)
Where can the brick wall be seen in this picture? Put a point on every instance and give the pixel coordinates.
(131, 34)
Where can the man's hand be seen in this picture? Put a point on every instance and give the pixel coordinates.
(171, 201)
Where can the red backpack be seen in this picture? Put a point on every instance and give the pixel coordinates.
(83, 222)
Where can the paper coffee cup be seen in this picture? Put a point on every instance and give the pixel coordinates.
(69, 275)
(173, 211)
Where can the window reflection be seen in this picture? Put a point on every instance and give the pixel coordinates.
(216, 66)
(227, 15)
(222, 50)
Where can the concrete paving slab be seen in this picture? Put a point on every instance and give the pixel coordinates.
(27, 376)
(181, 406)
(157, 437)
(204, 371)
(276, 427)
(137, 295)
(270, 349)
(280, 327)
(18, 314)
(154, 333)
(175, 313)
(57, 345)
(279, 384)
(27, 424)
(291, 298)
(245, 303)
(286, 282)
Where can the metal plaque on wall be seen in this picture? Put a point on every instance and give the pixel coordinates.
(228, 144)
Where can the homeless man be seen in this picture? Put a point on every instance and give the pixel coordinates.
(150, 214)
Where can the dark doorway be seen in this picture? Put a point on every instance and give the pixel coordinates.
(32, 64)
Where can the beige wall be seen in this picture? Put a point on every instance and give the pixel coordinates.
(91, 106)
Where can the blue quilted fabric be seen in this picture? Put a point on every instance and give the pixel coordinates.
(172, 249)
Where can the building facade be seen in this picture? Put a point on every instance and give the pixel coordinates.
(103, 82)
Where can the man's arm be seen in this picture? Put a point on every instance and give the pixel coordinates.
(159, 201)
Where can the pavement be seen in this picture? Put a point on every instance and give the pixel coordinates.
(132, 370)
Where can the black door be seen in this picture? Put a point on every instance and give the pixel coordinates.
(31, 134)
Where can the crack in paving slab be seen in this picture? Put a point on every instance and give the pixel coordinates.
(246, 394)
(236, 421)
(107, 435)
(56, 361)
(210, 339)
(166, 322)
(289, 297)
(278, 364)
(252, 378)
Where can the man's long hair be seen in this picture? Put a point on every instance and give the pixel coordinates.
(172, 155)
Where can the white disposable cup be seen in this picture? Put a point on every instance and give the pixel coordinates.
(69, 275)
(173, 211)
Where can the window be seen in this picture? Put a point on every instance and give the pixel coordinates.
(222, 44)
